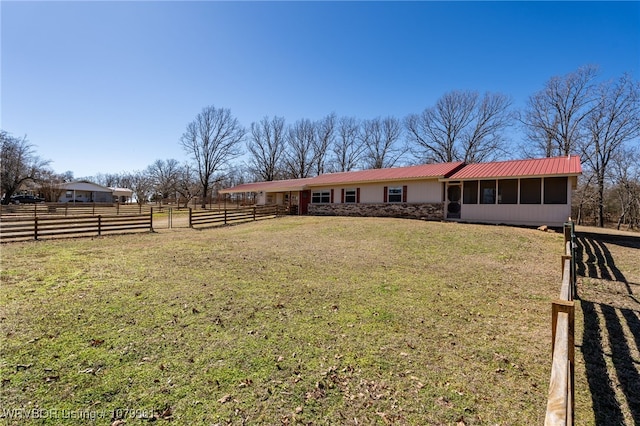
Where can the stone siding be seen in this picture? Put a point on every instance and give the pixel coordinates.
(425, 211)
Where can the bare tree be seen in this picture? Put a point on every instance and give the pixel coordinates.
(212, 139)
(325, 135)
(613, 120)
(140, 183)
(484, 139)
(462, 126)
(380, 138)
(266, 146)
(554, 117)
(50, 182)
(626, 188)
(187, 185)
(105, 179)
(164, 177)
(19, 164)
(347, 147)
(300, 153)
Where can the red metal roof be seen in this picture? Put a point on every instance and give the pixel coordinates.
(565, 166)
(396, 173)
(271, 186)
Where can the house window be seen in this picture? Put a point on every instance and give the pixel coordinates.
(69, 194)
(508, 191)
(555, 190)
(395, 194)
(321, 196)
(530, 191)
(350, 196)
(470, 192)
(487, 192)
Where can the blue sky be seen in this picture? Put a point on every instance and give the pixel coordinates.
(107, 87)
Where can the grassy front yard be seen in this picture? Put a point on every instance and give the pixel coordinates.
(295, 320)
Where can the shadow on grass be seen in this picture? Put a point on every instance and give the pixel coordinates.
(594, 260)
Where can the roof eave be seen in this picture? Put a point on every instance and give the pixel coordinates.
(453, 178)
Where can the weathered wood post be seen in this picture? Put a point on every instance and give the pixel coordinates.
(190, 223)
(151, 219)
(35, 228)
(99, 225)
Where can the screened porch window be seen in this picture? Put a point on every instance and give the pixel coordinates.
(508, 191)
(555, 190)
(487, 192)
(470, 192)
(530, 191)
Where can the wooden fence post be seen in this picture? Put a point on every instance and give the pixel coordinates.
(99, 225)
(151, 219)
(254, 213)
(190, 224)
(35, 228)
(225, 216)
(567, 307)
(567, 232)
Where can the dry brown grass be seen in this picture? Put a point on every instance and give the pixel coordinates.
(295, 320)
(608, 332)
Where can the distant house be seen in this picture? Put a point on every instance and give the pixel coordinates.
(88, 192)
(520, 192)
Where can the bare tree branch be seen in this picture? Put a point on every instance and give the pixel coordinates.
(212, 139)
(266, 146)
(462, 126)
(554, 116)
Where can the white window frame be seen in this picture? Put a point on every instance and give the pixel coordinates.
(397, 193)
(351, 193)
(321, 197)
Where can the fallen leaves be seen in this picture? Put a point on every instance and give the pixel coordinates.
(225, 399)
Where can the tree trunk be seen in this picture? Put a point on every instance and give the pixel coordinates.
(600, 200)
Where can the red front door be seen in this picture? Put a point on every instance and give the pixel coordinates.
(305, 197)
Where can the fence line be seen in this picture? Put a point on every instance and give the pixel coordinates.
(36, 228)
(561, 403)
(73, 209)
(84, 209)
(225, 217)
(21, 228)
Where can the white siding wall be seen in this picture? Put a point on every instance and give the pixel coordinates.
(517, 214)
(417, 191)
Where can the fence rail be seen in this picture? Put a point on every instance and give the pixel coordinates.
(73, 209)
(225, 217)
(560, 403)
(37, 228)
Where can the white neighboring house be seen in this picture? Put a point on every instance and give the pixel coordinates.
(87, 192)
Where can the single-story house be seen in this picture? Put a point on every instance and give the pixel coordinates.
(518, 192)
(88, 192)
